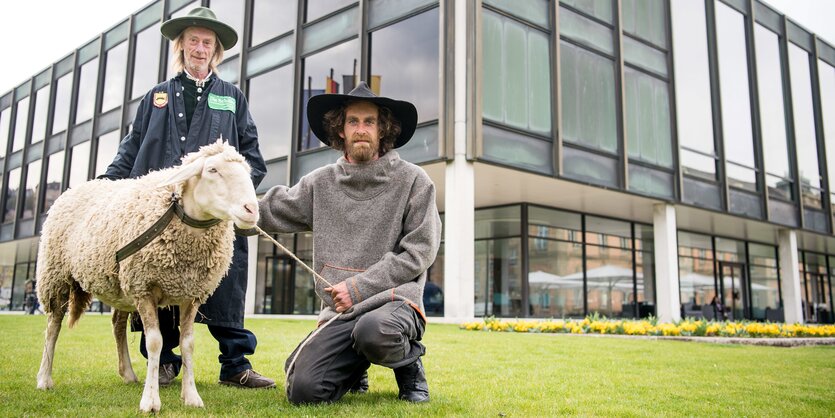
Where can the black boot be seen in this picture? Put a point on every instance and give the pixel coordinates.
(361, 386)
(411, 382)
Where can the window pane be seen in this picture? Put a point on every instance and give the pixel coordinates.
(41, 113)
(506, 147)
(87, 91)
(63, 93)
(319, 8)
(555, 281)
(231, 12)
(601, 9)
(21, 120)
(585, 31)
(54, 175)
(277, 52)
(733, 82)
(498, 278)
(339, 61)
(698, 165)
(114, 77)
(693, 107)
(107, 148)
(498, 222)
(331, 30)
(12, 189)
(644, 56)
(146, 64)
(271, 104)
(554, 224)
(405, 58)
(826, 77)
(804, 117)
(772, 113)
(534, 11)
(645, 19)
(648, 119)
(588, 98)
(33, 182)
(609, 278)
(271, 18)
(5, 124)
(80, 160)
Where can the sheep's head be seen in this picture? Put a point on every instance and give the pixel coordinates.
(216, 178)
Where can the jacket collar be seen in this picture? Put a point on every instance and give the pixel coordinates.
(363, 181)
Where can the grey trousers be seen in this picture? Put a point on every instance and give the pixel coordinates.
(336, 358)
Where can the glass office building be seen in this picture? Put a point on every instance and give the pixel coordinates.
(624, 157)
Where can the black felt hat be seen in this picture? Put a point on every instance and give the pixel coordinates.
(403, 111)
(205, 18)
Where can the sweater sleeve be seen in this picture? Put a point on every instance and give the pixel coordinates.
(416, 250)
(287, 209)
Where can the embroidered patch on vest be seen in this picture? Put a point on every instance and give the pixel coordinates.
(222, 102)
(160, 99)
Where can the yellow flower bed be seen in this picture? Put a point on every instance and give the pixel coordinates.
(685, 327)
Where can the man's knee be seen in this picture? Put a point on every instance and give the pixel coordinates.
(378, 342)
(302, 389)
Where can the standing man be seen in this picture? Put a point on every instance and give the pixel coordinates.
(175, 118)
(376, 230)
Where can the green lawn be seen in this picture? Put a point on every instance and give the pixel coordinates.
(470, 374)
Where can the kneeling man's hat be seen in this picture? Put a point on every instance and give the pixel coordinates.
(403, 111)
(205, 18)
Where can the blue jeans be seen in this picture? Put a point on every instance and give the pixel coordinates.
(234, 344)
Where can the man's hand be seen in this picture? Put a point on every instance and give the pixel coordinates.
(341, 296)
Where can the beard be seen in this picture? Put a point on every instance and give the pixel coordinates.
(362, 152)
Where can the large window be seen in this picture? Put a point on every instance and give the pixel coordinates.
(555, 276)
(31, 190)
(87, 90)
(63, 93)
(696, 276)
(116, 61)
(765, 287)
(146, 64)
(54, 177)
(498, 264)
(271, 18)
(827, 90)
(271, 104)
(21, 121)
(5, 124)
(231, 12)
(12, 194)
(79, 165)
(40, 115)
(108, 146)
(804, 127)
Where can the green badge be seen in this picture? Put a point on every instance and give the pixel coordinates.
(222, 102)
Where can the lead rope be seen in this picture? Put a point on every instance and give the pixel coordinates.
(312, 334)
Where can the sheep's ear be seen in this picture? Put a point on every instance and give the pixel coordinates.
(185, 172)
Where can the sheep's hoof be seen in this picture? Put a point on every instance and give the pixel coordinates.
(148, 404)
(194, 401)
(131, 378)
(45, 384)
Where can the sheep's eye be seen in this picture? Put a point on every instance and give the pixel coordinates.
(212, 170)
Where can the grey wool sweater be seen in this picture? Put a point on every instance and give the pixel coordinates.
(375, 225)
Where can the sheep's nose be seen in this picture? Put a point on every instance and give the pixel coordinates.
(250, 208)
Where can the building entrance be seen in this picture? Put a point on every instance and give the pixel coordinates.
(817, 300)
(735, 292)
(280, 286)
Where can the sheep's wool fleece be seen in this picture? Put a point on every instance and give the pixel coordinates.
(89, 223)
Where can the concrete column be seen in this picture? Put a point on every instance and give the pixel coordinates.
(790, 277)
(251, 274)
(668, 300)
(459, 197)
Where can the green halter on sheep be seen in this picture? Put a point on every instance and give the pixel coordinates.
(183, 266)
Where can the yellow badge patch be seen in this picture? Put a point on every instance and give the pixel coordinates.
(160, 99)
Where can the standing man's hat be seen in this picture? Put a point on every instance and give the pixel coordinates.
(205, 18)
(404, 112)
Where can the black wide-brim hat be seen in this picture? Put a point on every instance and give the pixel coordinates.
(205, 18)
(403, 111)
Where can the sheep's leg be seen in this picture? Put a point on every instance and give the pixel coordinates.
(189, 391)
(120, 321)
(53, 328)
(153, 344)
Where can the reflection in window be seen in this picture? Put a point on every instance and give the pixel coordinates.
(804, 126)
(114, 77)
(79, 165)
(63, 94)
(765, 294)
(601, 9)
(271, 18)
(645, 19)
(331, 71)
(41, 112)
(21, 120)
(87, 90)
(54, 176)
(107, 148)
(12, 188)
(31, 189)
(648, 119)
(733, 78)
(498, 222)
(588, 98)
(146, 64)
(231, 12)
(271, 104)
(555, 278)
(318, 8)
(517, 68)
(5, 123)
(405, 62)
(826, 77)
(498, 281)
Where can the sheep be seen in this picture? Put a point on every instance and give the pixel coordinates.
(183, 266)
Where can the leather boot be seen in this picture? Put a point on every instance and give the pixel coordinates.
(411, 382)
(360, 386)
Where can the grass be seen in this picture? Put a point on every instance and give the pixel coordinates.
(470, 374)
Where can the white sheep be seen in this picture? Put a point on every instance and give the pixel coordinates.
(183, 266)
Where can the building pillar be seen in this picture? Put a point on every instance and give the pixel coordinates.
(790, 277)
(251, 274)
(459, 195)
(667, 303)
